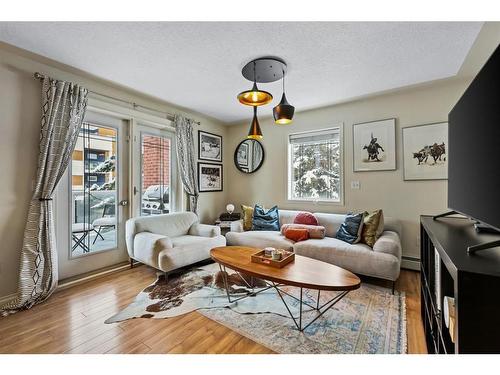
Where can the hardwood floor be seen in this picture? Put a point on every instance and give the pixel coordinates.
(72, 321)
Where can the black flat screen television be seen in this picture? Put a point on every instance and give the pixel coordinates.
(474, 148)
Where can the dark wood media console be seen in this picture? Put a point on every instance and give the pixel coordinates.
(472, 280)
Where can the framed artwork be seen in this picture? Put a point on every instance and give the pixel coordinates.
(209, 177)
(209, 146)
(374, 146)
(425, 152)
(242, 154)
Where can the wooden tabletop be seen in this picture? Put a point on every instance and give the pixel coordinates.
(303, 272)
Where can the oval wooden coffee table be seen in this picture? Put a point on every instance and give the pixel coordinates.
(302, 273)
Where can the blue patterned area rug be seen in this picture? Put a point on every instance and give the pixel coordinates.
(367, 320)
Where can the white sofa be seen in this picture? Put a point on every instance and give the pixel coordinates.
(171, 241)
(383, 261)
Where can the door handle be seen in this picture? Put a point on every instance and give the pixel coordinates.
(123, 202)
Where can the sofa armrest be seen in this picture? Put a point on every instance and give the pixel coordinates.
(236, 226)
(204, 230)
(389, 243)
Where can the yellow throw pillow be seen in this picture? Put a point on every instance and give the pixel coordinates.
(247, 217)
(371, 227)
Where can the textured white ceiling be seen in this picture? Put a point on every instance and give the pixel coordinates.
(198, 65)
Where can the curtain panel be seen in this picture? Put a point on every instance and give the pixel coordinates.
(63, 109)
(184, 140)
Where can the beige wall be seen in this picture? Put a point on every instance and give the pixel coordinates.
(405, 200)
(19, 137)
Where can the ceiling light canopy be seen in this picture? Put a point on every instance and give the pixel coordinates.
(265, 70)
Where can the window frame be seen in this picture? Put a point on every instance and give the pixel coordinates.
(337, 127)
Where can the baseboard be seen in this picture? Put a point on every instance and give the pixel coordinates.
(80, 279)
(410, 263)
(7, 298)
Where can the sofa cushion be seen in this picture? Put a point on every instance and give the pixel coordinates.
(297, 234)
(259, 239)
(371, 227)
(305, 218)
(358, 258)
(265, 220)
(314, 231)
(187, 250)
(331, 222)
(350, 230)
(247, 217)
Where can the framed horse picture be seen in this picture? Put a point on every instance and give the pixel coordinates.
(425, 152)
(374, 146)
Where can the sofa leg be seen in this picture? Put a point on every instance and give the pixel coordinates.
(166, 277)
(393, 287)
(131, 263)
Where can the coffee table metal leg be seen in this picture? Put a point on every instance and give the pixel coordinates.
(224, 278)
(317, 300)
(289, 312)
(321, 309)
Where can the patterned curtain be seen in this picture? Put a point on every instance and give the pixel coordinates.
(63, 108)
(186, 159)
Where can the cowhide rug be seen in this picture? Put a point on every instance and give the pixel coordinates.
(368, 320)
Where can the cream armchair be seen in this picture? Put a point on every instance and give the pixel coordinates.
(171, 241)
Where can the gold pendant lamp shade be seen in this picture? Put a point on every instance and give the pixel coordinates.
(254, 132)
(254, 97)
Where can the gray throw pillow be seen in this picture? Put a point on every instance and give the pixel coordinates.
(350, 230)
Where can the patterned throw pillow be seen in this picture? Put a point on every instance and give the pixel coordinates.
(314, 231)
(297, 234)
(247, 217)
(350, 230)
(305, 218)
(371, 227)
(265, 220)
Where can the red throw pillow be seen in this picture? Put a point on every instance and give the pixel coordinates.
(297, 234)
(306, 218)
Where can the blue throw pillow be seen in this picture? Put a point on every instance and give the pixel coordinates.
(265, 220)
(351, 228)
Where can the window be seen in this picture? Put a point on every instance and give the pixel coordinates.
(156, 176)
(315, 166)
(93, 195)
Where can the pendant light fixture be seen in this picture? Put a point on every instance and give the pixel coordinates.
(265, 70)
(254, 132)
(283, 112)
(254, 97)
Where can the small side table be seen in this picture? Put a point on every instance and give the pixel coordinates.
(225, 226)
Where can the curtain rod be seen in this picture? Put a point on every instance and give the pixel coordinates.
(169, 116)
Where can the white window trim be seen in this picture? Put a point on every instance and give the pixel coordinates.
(340, 202)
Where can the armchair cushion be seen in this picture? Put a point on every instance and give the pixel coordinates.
(204, 230)
(148, 245)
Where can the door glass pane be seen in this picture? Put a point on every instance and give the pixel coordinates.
(94, 190)
(155, 174)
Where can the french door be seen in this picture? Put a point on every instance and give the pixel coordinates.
(154, 177)
(91, 200)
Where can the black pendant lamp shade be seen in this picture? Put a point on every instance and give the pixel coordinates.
(283, 112)
(254, 132)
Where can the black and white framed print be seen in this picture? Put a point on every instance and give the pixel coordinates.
(209, 146)
(242, 154)
(374, 146)
(209, 177)
(425, 152)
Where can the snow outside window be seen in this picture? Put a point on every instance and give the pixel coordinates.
(315, 170)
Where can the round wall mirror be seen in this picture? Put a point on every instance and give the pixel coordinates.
(249, 156)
